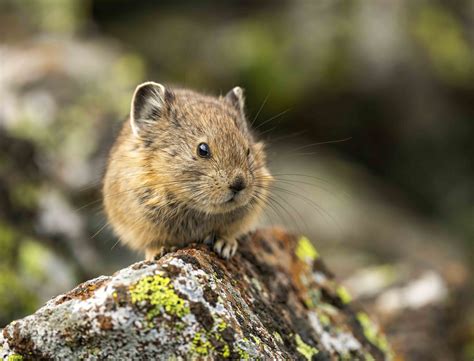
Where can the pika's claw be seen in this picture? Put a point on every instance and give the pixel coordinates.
(225, 248)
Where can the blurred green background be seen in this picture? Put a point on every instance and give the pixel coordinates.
(389, 84)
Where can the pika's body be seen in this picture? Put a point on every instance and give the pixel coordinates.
(185, 168)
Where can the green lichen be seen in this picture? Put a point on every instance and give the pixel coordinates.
(15, 357)
(278, 337)
(179, 326)
(344, 295)
(226, 351)
(201, 344)
(305, 250)
(242, 348)
(372, 333)
(243, 355)
(305, 349)
(324, 319)
(256, 339)
(158, 292)
(221, 326)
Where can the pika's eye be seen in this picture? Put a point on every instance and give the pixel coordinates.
(203, 150)
(248, 152)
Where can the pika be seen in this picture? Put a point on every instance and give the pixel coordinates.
(185, 168)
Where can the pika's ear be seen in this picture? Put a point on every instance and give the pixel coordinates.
(236, 97)
(147, 105)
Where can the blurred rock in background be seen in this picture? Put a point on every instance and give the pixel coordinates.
(389, 203)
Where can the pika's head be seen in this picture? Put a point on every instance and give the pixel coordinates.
(198, 149)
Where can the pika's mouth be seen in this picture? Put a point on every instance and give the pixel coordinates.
(232, 202)
(230, 199)
(235, 198)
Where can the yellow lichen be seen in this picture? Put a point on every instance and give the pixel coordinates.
(239, 346)
(305, 349)
(243, 355)
(15, 357)
(226, 351)
(343, 294)
(305, 250)
(158, 292)
(179, 326)
(201, 344)
(256, 339)
(324, 319)
(221, 326)
(372, 333)
(278, 337)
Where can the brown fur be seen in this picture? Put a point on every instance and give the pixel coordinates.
(158, 193)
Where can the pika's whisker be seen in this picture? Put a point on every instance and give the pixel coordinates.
(272, 118)
(260, 109)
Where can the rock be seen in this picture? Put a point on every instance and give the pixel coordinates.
(274, 300)
(423, 310)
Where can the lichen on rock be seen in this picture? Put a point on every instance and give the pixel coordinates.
(274, 300)
(157, 292)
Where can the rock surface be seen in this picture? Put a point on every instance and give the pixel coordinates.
(274, 300)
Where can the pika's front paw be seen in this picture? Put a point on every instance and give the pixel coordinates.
(153, 254)
(225, 248)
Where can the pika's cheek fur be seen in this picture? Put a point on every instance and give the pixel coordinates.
(185, 169)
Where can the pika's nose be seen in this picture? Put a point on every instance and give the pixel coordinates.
(238, 184)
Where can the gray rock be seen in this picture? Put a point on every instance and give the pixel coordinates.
(274, 300)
